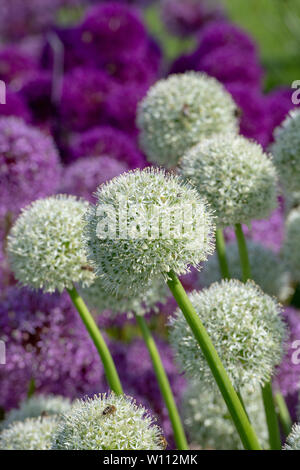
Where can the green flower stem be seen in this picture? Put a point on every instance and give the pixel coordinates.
(221, 252)
(242, 245)
(236, 409)
(164, 385)
(31, 388)
(271, 417)
(95, 334)
(283, 413)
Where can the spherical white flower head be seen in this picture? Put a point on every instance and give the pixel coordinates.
(245, 326)
(267, 270)
(31, 434)
(286, 151)
(179, 111)
(38, 405)
(209, 424)
(235, 176)
(293, 439)
(107, 423)
(45, 244)
(142, 303)
(291, 252)
(155, 224)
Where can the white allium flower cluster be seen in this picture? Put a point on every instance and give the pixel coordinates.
(142, 303)
(286, 151)
(236, 177)
(45, 244)
(167, 226)
(267, 270)
(293, 439)
(209, 424)
(36, 406)
(291, 251)
(245, 326)
(179, 111)
(107, 423)
(31, 434)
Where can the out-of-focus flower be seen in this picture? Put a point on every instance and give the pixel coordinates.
(293, 439)
(291, 242)
(31, 434)
(29, 166)
(105, 140)
(36, 91)
(279, 102)
(15, 106)
(15, 65)
(83, 177)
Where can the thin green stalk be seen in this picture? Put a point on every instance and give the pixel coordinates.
(283, 413)
(271, 417)
(95, 334)
(243, 251)
(221, 252)
(236, 409)
(31, 388)
(164, 385)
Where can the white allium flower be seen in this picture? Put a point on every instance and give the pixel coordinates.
(143, 302)
(209, 424)
(107, 423)
(36, 406)
(293, 439)
(267, 270)
(286, 151)
(245, 326)
(179, 111)
(236, 177)
(168, 227)
(291, 251)
(31, 434)
(45, 244)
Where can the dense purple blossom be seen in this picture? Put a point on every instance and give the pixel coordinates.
(279, 103)
(15, 65)
(15, 106)
(36, 91)
(105, 140)
(29, 166)
(84, 175)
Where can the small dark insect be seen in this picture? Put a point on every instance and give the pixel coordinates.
(238, 112)
(163, 441)
(109, 410)
(44, 414)
(185, 109)
(86, 268)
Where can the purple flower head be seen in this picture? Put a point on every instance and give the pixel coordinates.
(15, 106)
(36, 91)
(29, 165)
(105, 140)
(279, 103)
(83, 177)
(288, 373)
(187, 17)
(85, 98)
(112, 30)
(255, 119)
(15, 65)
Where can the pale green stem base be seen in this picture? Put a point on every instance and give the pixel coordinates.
(164, 385)
(243, 251)
(221, 252)
(236, 409)
(271, 417)
(95, 334)
(283, 413)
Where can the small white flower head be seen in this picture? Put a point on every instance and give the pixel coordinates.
(209, 424)
(31, 434)
(291, 244)
(179, 111)
(236, 177)
(107, 422)
(45, 244)
(293, 439)
(267, 270)
(142, 303)
(245, 326)
(144, 224)
(286, 151)
(38, 405)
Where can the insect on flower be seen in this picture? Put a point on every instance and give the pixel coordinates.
(163, 441)
(109, 410)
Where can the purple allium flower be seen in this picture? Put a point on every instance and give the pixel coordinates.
(83, 177)
(255, 119)
(105, 140)
(185, 18)
(15, 106)
(279, 103)
(36, 91)
(85, 97)
(288, 373)
(15, 65)
(29, 165)
(112, 30)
